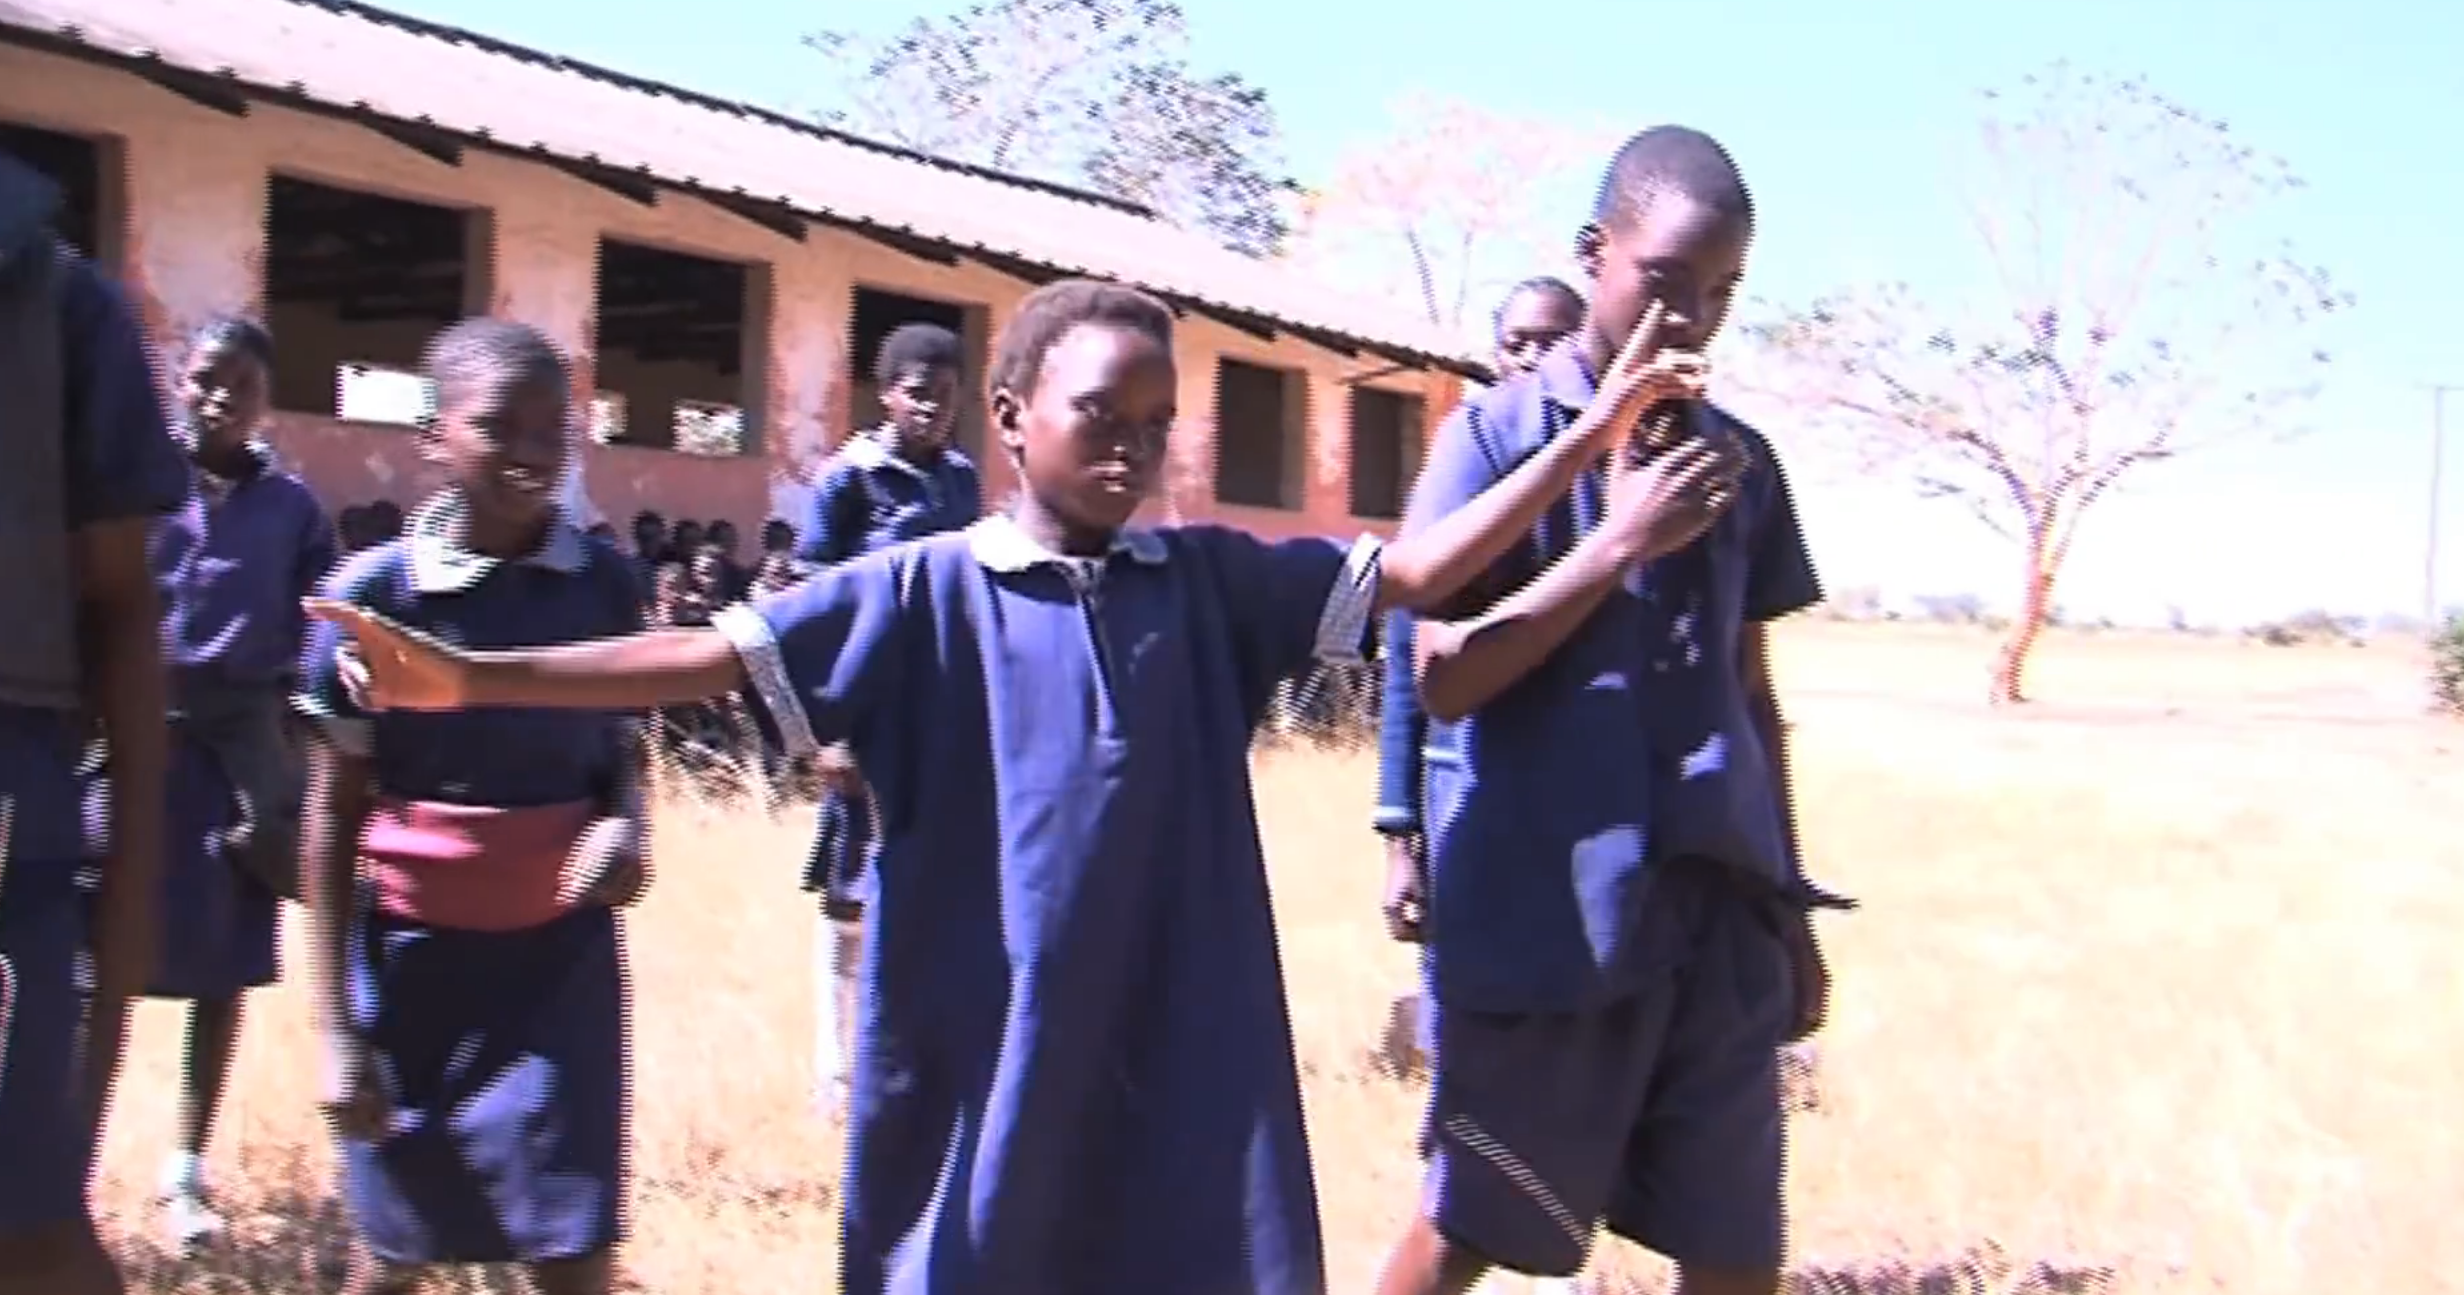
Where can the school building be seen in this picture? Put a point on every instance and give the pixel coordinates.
(720, 273)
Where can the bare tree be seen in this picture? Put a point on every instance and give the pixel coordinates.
(1446, 205)
(2138, 313)
(1098, 93)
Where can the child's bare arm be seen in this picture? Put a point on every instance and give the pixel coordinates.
(407, 670)
(1655, 507)
(1462, 664)
(119, 619)
(1441, 554)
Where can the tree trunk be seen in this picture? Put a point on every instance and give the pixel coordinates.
(2010, 665)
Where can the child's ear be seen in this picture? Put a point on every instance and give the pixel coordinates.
(1587, 245)
(1007, 413)
(431, 441)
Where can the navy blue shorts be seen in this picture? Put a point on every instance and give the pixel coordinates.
(1657, 1114)
(45, 1139)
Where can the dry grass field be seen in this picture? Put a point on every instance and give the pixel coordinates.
(2160, 977)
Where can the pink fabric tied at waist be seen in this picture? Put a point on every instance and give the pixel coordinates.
(472, 867)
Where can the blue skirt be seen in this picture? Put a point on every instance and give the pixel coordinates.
(215, 924)
(504, 1057)
(45, 1139)
(840, 866)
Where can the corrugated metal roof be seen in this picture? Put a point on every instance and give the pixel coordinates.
(354, 58)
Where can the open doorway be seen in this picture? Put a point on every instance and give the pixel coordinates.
(879, 312)
(672, 330)
(355, 286)
(1385, 451)
(76, 164)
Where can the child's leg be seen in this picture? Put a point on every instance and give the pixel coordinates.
(205, 1073)
(47, 1240)
(590, 1274)
(829, 1063)
(848, 958)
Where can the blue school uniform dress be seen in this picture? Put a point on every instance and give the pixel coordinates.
(232, 565)
(1074, 1067)
(115, 461)
(502, 1051)
(1402, 726)
(1610, 879)
(868, 498)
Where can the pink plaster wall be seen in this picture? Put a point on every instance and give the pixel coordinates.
(192, 195)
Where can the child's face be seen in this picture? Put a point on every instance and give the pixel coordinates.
(505, 447)
(688, 538)
(1669, 248)
(723, 538)
(648, 534)
(1090, 437)
(226, 391)
(1532, 322)
(922, 405)
(777, 537)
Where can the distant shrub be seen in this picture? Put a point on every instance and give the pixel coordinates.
(2447, 666)
(2311, 627)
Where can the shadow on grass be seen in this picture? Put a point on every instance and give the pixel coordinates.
(286, 1244)
(1983, 1270)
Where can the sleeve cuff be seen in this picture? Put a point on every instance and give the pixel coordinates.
(766, 669)
(1343, 625)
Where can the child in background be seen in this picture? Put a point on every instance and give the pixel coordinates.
(1076, 1070)
(384, 520)
(734, 580)
(649, 553)
(1619, 935)
(900, 481)
(778, 568)
(233, 565)
(90, 466)
(1535, 316)
(351, 526)
(463, 869)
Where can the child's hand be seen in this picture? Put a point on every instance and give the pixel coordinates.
(1407, 892)
(836, 766)
(1660, 502)
(354, 1103)
(1640, 378)
(393, 667)
(606, 866)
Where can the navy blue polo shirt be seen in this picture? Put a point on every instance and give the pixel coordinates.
(1633, 742)
(870, 497)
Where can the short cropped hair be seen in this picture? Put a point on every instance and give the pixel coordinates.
(1049, 312)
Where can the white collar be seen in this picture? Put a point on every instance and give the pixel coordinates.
(441, 565)
(998, 543)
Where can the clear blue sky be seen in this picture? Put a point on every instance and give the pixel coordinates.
(1846, 118)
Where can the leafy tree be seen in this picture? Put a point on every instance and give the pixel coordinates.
(2138, 314)
(1448, 204)
(1093, 93)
